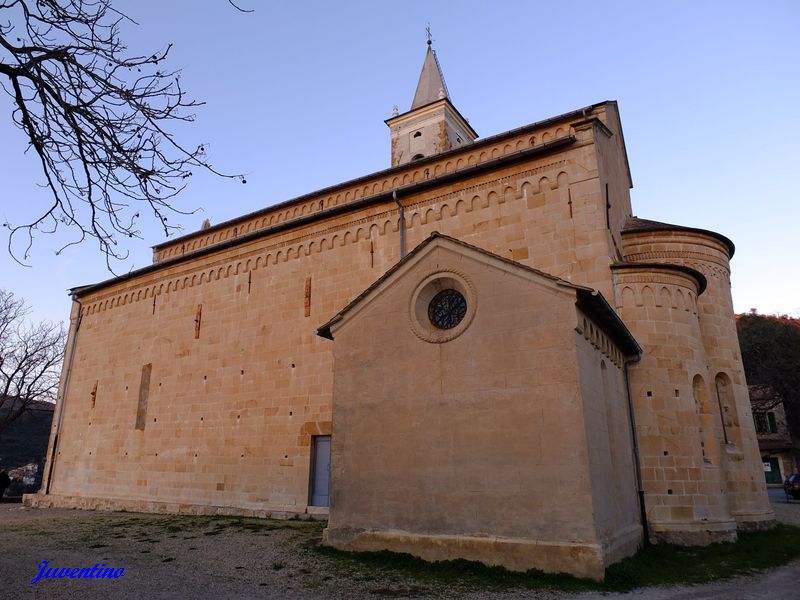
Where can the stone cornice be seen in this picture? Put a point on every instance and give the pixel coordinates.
(431, 108)
(179, 274)
(699, 279)
(670, 230)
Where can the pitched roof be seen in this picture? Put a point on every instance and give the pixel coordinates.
(431, 81)
(635, 224)
(588, 300)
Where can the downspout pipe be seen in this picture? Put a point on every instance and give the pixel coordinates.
(68, 367)
(636, 454)
(402, 225)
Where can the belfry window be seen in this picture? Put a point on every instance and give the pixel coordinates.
(417, 134)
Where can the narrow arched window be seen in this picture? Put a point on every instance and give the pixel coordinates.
(417, 134)
(701, 405)
(722, 400)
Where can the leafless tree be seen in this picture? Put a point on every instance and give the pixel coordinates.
(98, 119)
(30, 359)
(763, 398)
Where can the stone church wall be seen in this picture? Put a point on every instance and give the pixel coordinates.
(681, 457)
(609, 442)
(238, 382)
(493, 446)
(725, 383)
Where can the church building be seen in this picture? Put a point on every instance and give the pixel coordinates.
(479, 352)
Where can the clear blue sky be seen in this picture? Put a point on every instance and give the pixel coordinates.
(297, 93)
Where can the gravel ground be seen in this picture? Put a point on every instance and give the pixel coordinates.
(167, 556)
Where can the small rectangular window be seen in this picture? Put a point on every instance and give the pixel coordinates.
(762, 425)
(773, 426)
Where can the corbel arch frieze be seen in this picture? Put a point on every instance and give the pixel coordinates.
(598, 339)
(660, 290)
(479, 196)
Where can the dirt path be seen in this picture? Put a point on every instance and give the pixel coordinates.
(167, 556)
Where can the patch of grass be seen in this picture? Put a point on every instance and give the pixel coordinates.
(671, 565)
(195, 524)
(262, 525)
(461, 575)
(123, 523)
(405, 592)
(655, 565)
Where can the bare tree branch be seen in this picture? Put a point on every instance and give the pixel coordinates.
(763, 398)
(30, 359)
(239, 8)
(98, 119)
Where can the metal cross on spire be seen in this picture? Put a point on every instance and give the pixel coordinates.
(428, 34)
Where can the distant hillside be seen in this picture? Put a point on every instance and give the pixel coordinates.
(25, 442)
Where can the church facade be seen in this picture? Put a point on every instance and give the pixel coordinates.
(479, 352)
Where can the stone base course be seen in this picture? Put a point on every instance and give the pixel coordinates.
(693, 533)
(516, 554)
(151, 506)
(756, 521)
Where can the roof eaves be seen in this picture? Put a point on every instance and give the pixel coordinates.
(636, 225)
(325, 330)
(702, 282)
(386, 196)
(594, 304)
(443, 102)
(585, 111)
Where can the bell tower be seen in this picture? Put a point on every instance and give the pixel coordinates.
(433, 125)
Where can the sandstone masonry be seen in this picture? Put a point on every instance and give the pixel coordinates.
(198, 384)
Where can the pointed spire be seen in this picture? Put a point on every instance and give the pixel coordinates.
(431, 86)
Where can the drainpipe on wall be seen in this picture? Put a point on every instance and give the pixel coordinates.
(68, 368)
(402, 225)
(636, 456)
